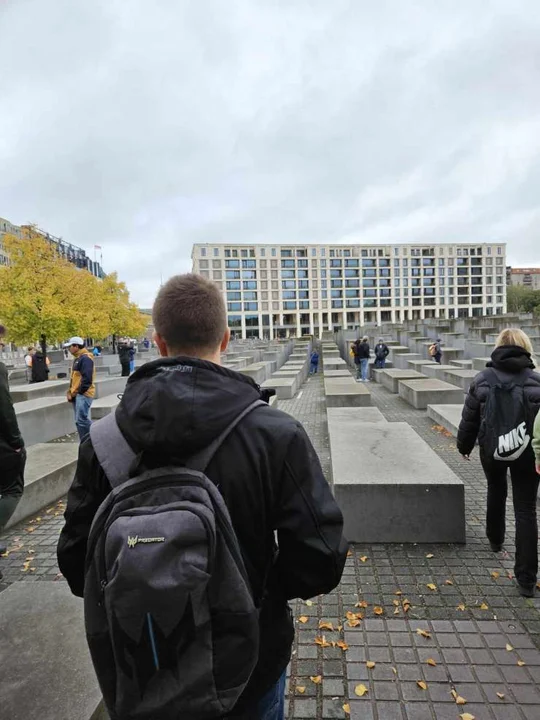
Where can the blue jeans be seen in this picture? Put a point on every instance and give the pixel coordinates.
(380, 363)
(132, 366)
(81, 406)
(364, 362)
(272, 705)
(313, 368)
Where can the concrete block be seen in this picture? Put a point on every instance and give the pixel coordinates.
(109, 386)
(345, 392)
(449, 354)
(421, 393)
(434, 370)
(392, 487)
(402, 360)
(461, 378)
(259, 372)
(285, 388)
(44, 419)
(334, 363)
(480, 363)
(397, 350)
(344, 372)
(47, 672)
(49, 388)
(355, 415)
(449, 416)
(391, 378)
(104, 406)
(49, 472)
(462, 364)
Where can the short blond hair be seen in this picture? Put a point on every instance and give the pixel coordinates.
(515, 336)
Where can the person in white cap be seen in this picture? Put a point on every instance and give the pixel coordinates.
(82, 388)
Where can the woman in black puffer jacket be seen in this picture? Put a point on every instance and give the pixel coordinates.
(511, 361)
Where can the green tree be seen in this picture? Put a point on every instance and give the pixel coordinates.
(522, 299)
(123, 316)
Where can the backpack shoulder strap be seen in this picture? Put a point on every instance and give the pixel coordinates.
(112, 449)
(201, 460)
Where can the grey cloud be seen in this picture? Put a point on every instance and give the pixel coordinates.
(147, 127)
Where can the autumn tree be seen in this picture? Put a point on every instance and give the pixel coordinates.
(123, 316)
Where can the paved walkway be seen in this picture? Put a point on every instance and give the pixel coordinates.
(478, 638)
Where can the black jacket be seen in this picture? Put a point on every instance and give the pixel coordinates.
(40, 371)
(10, 436)
(361, 351)
(509, 361)
(124, 352)
(267, 472)
(381, 350)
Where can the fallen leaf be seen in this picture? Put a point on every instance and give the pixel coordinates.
(501, 696)
(398, 592)
(342, 645)
(322, 642)
(423, 633)
(323, 625)
(395, 602)
(484, 606)
(521, 663)
(378, 610)
(396, 611)
(354, 616)
(30, 529)
(461, 607)
(364, 558)
(339, 628)
(354, 623)
(370, 664)
(361, 604)
(303, 619)
(394, 670)
(309, 603)
(301, 689)
(347, 709)
(448, 582)
(460, 700)
(350, 553)
(317, 679)
(430, 556)
(495, 574)
(421, 684)
(360, 690)
(467, 716)
(431, 586)
(431, 661)
(509, 647)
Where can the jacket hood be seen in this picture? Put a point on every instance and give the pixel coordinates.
(175, 407)
(510, 358)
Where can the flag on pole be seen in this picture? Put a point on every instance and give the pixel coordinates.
(97, 247)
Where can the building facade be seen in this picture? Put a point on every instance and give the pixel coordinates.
(75, 255)
(529, 277)
(281, 290)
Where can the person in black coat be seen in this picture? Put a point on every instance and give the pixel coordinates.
(40, 367)
(124, 354)
(361, 351)
(511, 361)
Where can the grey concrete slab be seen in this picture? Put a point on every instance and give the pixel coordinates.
(49, 388)
(421, 393)
(343, 372)
(49, 472)
(392, 487)
(104, 406)
(285, 388)
(450, 353)
(434, 370)
(259, 372)
(390, 378)
(449, 416)
(402, 360)
(109, 386)
(44, 419)
(46, 668)
(416, 364)
(462, 364)
(461, 378)
(334, 363)
(479, 363)
(355, 415)
(345, 392)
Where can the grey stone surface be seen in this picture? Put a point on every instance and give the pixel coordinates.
(259, 372)
(448, 416)
(421, 393)
(49, 388)
(49, 472)
(463, 364)
(44, 419)
(109, 386)
(382, 481)
(402, 360)
(355, 415)
(345, 392)
(104, 406)
(344, 372)
(285, 388)
(391, 378)
(334, 363)
(450, 353)
(479, 363)
(460, 378)
(434, 370)
(47, 673)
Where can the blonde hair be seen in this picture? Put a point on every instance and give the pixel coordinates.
(515, 336)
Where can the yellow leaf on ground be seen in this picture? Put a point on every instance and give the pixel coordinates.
(461, 607)
(378, 610)
(361, 604)
(303, 619)
(467, 716)
(509, 647)
(30, 529)
(448, 582)
(323, 625)
(495, 574)
(396, 611)
(360, 690)
(342, 645)
(370, 664)
(301, 689)
(350, 553)
(423, 633)
(364, 558)
(521, 663)
(484, 606)
(431, 661)
(398, 592)
(322, 641)
(317, 679)
(430, 556)
(460, 700)
(421, 684)
(347, 709)
(394, 670)
(501, 696)
(354, 623)
(431, 586)
(309, 603)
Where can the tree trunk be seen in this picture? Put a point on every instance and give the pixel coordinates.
(114, 343)
(43, 343)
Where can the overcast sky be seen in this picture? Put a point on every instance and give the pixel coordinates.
(145, 127)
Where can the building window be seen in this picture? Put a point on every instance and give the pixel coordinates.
(499, 250)
(273, 252)
(203, 252)
(203, 264)
(263, 252)
(216, 252)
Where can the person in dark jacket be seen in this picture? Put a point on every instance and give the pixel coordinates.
(12, 452)
(125, 357)
(39, 367)
(313, 362)
(267, 472)
(360, 349)
(381, 353)
(511, 361)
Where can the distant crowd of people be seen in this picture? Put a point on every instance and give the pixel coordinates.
(198, 511)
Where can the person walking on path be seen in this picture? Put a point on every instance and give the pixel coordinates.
(12, 452)
(39, 367)
(82, 388)
(131, 358)
(265, 479)
(381, 353)
(360, 349)
(499, 410)
(435, 351)
(28, 362)
(125, 357)
(313, 362)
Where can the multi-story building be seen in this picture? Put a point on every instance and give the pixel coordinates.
(74, 254)
(529, 277)
(279, 290)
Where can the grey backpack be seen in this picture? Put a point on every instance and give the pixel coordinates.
(170, 618)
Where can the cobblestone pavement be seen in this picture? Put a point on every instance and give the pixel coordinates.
(477, 636)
